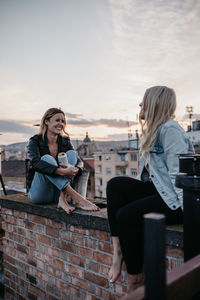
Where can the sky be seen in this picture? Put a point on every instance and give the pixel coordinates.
(94, 59)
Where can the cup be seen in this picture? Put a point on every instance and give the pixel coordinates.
(62, 158)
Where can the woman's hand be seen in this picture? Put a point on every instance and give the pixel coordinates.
(67, 170)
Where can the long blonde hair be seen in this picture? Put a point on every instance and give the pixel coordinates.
(47, 116)
(158, 106)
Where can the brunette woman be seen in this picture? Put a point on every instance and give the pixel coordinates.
(51, 181)
(162, 139)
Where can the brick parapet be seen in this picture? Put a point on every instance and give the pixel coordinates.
(50, 255)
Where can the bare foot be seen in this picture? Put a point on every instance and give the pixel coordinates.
(62, 203)
(134, 281)
(115, 270)
(86, 205)
(79, 200)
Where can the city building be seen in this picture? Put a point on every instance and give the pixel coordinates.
(194, 134)
(86, 151)
(113, 163)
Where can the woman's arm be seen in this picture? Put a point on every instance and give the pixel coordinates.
(35, 159)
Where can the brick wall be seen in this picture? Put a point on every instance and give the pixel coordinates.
(48, 259)
(44, 259)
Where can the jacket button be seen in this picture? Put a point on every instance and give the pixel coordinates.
(174, 206)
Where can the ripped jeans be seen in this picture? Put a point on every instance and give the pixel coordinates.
(45, 188)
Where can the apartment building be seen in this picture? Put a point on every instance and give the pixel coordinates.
(113, 163)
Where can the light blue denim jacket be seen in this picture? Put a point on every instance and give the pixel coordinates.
(164, 162)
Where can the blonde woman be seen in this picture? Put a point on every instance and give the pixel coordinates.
(129, 199)
(50, 182)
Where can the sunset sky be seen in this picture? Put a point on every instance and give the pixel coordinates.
(94, 59)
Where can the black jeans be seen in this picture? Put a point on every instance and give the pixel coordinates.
(128, 200)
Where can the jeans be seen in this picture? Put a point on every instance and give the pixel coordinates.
(128, 200)
(46, 188)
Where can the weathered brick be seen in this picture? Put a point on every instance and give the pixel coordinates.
(77, 239)
(99, 280)
(65, 235)
(54, 224)
(92, 266)
(43, 239)
(53, 271)
(20, 214)
(72, 270)
(103, 258)
(104, 270)
(21, 231)
(69, 247)
(6, 211)
(11, 219)
(53, 252)
(79, 282)
(90, 243)
(56, 263)
(30, 243)
(105, 247)
(53, 289)
(32, 296)
(74, 259)
(78, 230)
(102, 235)
(38, 219)
(86, 252)
(31, 261)
(22, 249)
(52, 232)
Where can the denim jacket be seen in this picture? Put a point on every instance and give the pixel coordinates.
(164, 162)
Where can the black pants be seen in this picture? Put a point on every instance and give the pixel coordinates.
(128, 200)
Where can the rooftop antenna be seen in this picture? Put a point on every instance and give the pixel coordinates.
(129, 133)
(189, 109)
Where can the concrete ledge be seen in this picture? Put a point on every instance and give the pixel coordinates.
(85, 219)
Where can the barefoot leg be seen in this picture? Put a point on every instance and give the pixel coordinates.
(79, 200)
(115, 270)
(134, 281)
(62, 203)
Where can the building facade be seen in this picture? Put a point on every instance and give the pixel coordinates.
(111, 164)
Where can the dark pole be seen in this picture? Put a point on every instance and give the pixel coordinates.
(154, 256)
(3, 186)
(190, 183)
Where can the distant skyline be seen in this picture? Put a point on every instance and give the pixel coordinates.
(94, 59)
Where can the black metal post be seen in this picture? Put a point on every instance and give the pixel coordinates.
(191, 213)
(154, 256)
(3, 186)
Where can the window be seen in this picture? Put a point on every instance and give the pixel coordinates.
(108, 170)
(133, 172)
(122, 157)
(100, 157)
(133, 157)
(99, 170)
(100, 182)
(123, 172)
(108, 157)
(120, 171)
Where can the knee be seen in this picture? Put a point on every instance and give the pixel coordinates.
(50, 159)
(72, 156)
(112, 185)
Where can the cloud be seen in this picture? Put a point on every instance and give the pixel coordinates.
(16, 127)
(78, 120)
